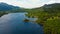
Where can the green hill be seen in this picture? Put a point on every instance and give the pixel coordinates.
(6, 8)
(48, 16)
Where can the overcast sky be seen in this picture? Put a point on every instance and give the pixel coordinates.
(29, 3)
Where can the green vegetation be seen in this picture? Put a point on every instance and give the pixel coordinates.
(11, 11)
(3, 13)
(48, 16)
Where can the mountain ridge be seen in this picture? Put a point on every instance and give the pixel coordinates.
(5, 7)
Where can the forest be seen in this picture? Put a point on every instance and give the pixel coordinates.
(48, 17)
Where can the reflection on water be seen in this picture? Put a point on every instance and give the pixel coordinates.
(13, 24)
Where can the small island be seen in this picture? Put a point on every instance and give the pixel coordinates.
(26, 20)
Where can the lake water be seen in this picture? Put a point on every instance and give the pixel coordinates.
(13, 23)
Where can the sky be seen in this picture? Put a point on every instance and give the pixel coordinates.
(29, 3)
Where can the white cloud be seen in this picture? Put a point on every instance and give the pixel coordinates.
(57, 1)
(50, 2)
(29, 3)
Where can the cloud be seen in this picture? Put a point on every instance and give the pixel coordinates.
(50, 2)
(57, 1)
(29, 3)
(53, 1)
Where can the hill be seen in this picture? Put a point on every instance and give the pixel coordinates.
(47, 8)
(6, 8)
(11, 8)
(48, 17)
(52, 7)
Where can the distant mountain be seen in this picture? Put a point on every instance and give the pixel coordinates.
(48, 8)
(6, 7)
(52, 7)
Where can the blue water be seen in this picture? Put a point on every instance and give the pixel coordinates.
(13, 23)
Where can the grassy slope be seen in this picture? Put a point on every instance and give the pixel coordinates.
(49, 17)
